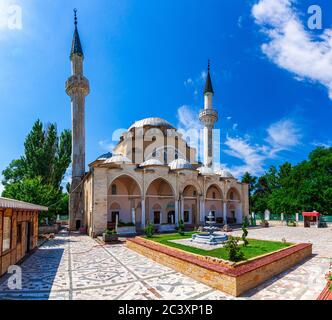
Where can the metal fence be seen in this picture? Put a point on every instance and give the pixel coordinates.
(290, 217)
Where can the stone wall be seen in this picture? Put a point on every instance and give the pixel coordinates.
(234, 279)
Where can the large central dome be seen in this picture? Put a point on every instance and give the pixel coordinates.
(153, 122)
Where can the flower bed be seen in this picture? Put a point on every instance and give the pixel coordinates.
(232, 278)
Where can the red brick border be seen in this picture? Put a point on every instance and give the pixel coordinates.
(234, 271)
(326, 293)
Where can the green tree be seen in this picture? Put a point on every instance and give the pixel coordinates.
(251, 181)
(37, 176)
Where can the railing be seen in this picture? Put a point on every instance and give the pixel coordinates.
(290, 217)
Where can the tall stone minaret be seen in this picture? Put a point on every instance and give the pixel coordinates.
(77, 87)
(208, 117)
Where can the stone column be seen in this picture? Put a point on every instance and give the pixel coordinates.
(182, 208)
(133, 216)
(143, 213)
(177, 212)
(225, 212)
(202, 211)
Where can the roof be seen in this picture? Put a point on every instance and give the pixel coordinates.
(151, 162)
(76, 47)
(15, 204)
(180, 164)
(105, 156)
(311, 214)
(118, 159)
(208, 84)
(153, 122)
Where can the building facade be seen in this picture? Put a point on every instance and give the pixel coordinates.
(152, 175)
(18, 231)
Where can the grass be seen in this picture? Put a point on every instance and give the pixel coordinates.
(255, 247)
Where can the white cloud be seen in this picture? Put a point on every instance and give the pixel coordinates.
(1, 188)
(196, 83)
(106, 145)
(291, 46)
(235, 126)
(251, 156)
(229, 118)
(281, 136)
(327, 144)
(191, 128)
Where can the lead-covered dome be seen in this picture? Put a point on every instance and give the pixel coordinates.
(153, 122)
(118, 159)
(205, 171)
(151, 162)
(223, 173)
(180, 164)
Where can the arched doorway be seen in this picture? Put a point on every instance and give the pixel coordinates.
(124, 198)
(160, 195)
(190, 205)
(234, 209)
(213, 203)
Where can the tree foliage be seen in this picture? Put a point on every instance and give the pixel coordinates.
(36, 177)
(290, 189)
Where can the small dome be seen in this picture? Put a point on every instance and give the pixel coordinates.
(205, 171)
(118, 159)
(223, 173)
(151, 162)
(180, 164)
(105, 156)
(153, 122)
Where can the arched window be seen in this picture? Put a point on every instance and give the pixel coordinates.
(114, 190)
(214, 195)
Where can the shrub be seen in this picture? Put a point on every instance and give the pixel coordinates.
(265, 224)
(234, 250)
(291, 223)
(109, 232)
(245, 225)
(149, 230)
(181, 228)
(124, 224)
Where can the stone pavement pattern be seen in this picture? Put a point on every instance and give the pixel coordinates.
(77, 267)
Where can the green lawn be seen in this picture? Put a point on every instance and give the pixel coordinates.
(254, 249)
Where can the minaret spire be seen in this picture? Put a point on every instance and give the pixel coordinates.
(208, 84)
(77, 87)
(76, 47)
(208, 116)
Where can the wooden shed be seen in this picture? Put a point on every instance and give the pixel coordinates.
(18, 231)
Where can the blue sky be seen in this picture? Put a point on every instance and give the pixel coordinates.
(272, 75)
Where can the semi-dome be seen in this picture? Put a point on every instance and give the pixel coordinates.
(151, 162)
(205, 171)
(223, 173)
(180, 164)
(153, 122)
(118, 159)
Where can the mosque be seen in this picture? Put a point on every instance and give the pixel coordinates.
(152, 176)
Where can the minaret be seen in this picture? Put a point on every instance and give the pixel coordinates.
(77, 87)
(208, 117)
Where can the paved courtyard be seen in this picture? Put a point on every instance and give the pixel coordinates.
(77, 267)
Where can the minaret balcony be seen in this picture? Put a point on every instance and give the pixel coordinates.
(208, 116)
(77, 84)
